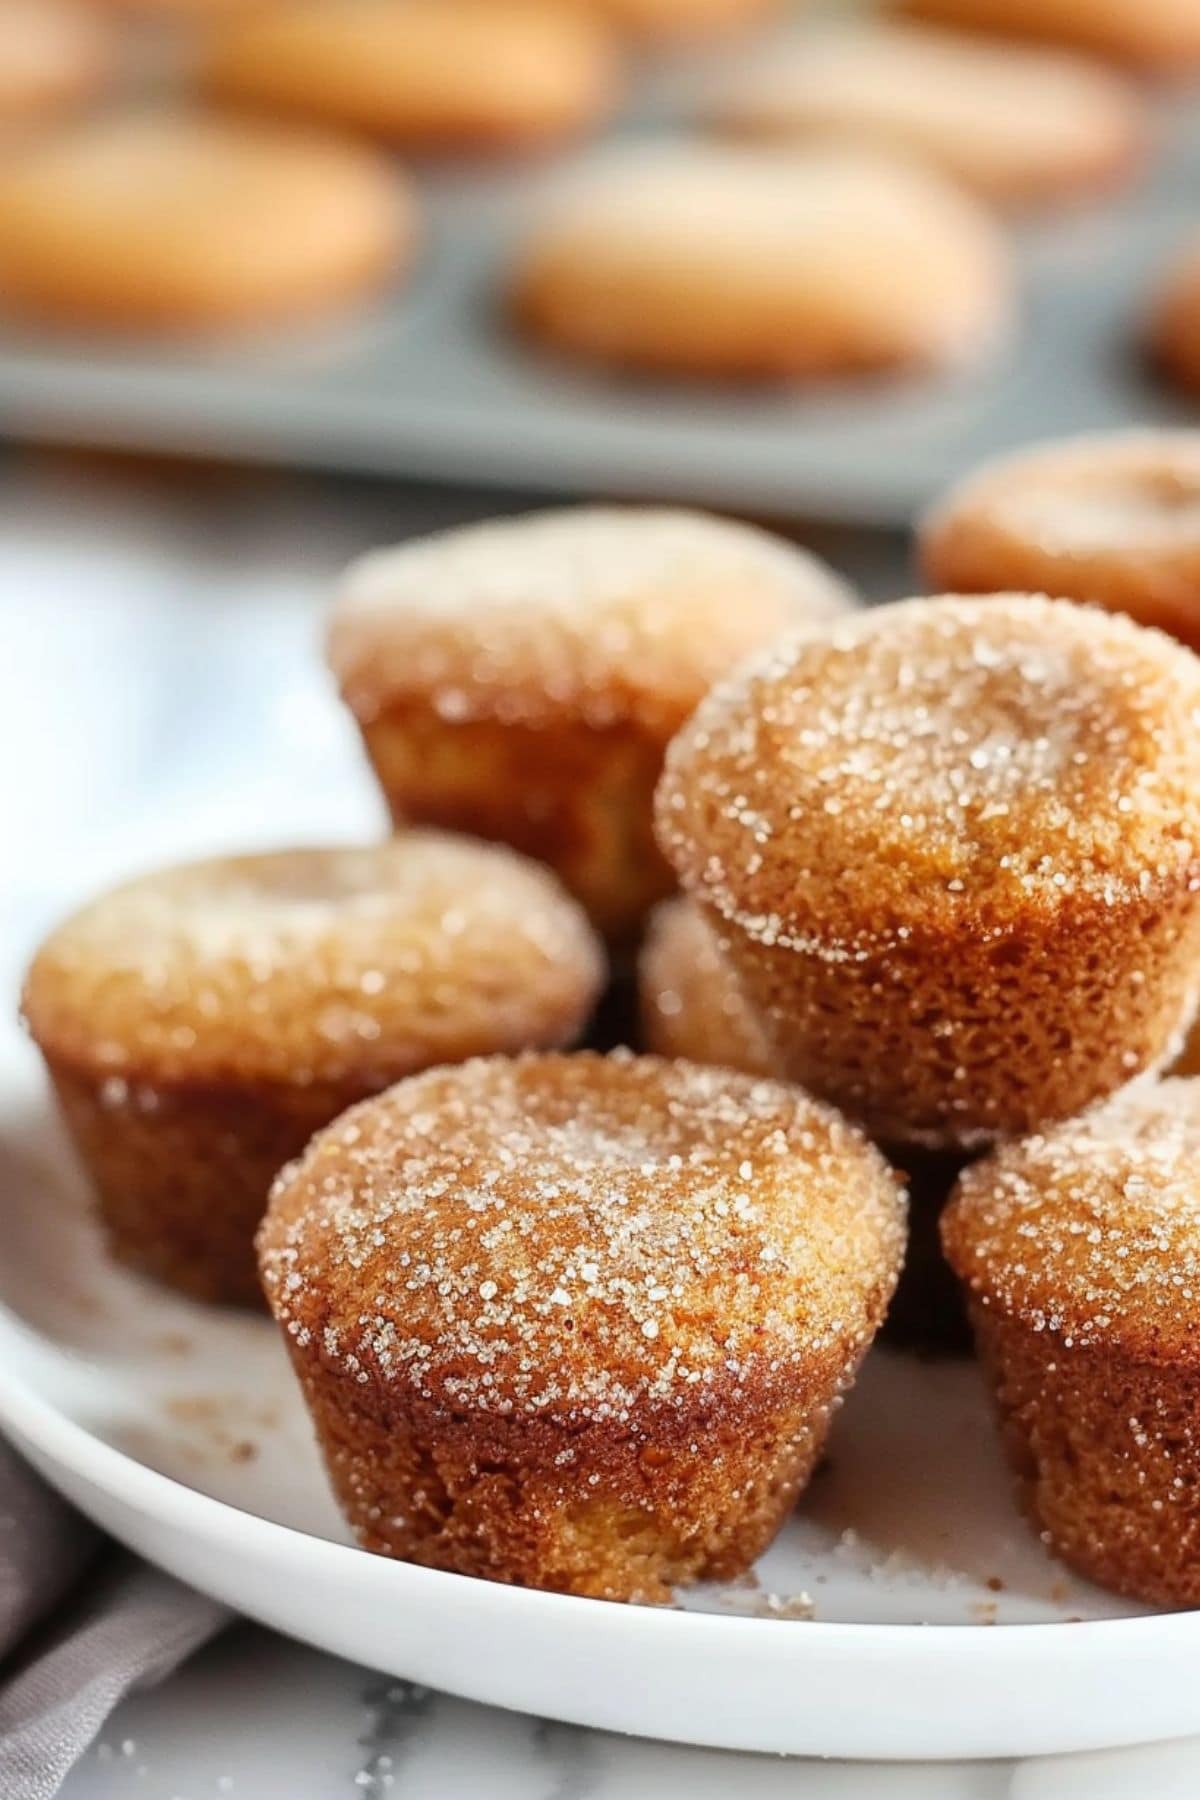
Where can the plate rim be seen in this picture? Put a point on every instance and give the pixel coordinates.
(70, 1445)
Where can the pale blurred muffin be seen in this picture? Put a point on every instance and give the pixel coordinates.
(691, 1004)
(1158, 35)
(736, 262)
(669, 24)
(521, 678)
(200, 1024)
(1020, 126)
(423, 75)
(1113, 519)
(54, 55)
(173, 224)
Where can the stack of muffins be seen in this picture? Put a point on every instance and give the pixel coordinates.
(582, 1320)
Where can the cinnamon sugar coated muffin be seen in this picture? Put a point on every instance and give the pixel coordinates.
(200, 1024)
(1174, 326)
(691, 1004)
(54, 54)
(747, 262)
(579, 1322)
(170, 223)
(1113, 519)
(953, 849)
(424, 74)
(1018, 125)
(1079, 1251)
(1160, 36)
(521, 678)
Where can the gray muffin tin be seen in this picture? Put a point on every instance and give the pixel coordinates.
(431, 382)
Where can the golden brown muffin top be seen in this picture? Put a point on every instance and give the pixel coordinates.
(605, 613)
(309, 966)
(692, 1002)
(578, 1235)
(938, 763)
(1092, 1230)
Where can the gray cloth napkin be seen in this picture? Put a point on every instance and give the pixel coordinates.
(81, 1626)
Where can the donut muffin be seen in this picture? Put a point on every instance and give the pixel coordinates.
(1174, 327)
(579, 1322)
(1159, 36)
(55, 54)
(1019, 126)
(428, 75)
(1113, 519)
(167, 223)
(755, 263)
(691, 1004)
(1079, 1252)
(200, 1024)
(521, 678)
(952, 847)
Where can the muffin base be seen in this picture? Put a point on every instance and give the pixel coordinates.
(1049, 1015)
(182, 1174)
(588, 1508)
(576, 796)
(1107, 1455)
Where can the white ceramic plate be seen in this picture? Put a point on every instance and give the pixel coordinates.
(862, 1634)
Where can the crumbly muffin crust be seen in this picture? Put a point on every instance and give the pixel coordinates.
(1113, 518)
(917, 826)
(614, 1282)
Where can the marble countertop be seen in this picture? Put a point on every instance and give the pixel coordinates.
(256, 1718)
(160, 647)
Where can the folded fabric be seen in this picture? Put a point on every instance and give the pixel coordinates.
(81, 1626)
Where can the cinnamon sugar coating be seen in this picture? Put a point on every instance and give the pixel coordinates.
(520, 678)
(1113, 518)
(201, 1023)
(579, 1322)
(1079, 1251)
(953, 846)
